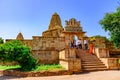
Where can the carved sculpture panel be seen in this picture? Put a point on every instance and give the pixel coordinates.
(73, 25)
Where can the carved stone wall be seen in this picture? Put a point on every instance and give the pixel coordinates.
(52, 33)
(46, 57)
(28, 43)
(48, 43)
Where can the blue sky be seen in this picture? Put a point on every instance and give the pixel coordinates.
(32, 17)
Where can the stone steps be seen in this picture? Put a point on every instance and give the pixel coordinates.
(93, 66)
(93, 69)
(90, 62)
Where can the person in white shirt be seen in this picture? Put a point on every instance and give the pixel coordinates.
(86, 44)
(79, 44)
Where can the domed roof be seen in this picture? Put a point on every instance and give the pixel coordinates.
(20, 36)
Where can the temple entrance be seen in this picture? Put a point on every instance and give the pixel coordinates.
(76, 38)
(73, 41)
(73, 32)
(76, 41)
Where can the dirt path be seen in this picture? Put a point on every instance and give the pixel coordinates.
(99, 75)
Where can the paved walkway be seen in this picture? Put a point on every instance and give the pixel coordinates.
(99, 75)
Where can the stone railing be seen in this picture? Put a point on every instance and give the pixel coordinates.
(67, 58)
(104, 56)
(111, 63)
(101, 52)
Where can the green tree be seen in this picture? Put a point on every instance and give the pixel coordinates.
(15, 51)
(111, 23)
(1, 41)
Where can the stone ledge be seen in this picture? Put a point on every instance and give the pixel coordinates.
(34, 74)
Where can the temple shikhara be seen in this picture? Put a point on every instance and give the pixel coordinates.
(53, 47)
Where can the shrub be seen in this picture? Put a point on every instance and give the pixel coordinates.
(15, 51)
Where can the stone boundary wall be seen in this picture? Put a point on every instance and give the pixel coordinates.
(104, 56)
(34, 74)
(8, 63)
(101, 52)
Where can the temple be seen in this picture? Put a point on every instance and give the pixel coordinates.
(53, 47)
(53, 40)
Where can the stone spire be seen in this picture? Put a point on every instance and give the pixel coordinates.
(20, 36)
(55, 22)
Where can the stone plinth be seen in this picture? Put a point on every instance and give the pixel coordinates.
(67, 58)
(73, 65)
(34, 74)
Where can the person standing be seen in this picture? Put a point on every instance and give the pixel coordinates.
(86, 44)
(74, 43)
(79, 44)
(91, 48)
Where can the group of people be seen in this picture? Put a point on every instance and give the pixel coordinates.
(79, 45)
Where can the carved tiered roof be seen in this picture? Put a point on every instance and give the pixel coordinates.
(20, 36)
(73, 26)
(55, 22)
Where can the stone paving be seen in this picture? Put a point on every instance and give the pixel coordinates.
(98, 75)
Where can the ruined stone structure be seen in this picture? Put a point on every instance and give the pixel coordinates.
(45, 48)
(53, 47)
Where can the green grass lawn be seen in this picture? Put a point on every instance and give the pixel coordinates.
(9, 67)
(51, 67)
